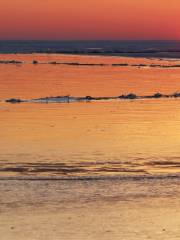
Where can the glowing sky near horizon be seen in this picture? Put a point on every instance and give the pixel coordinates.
(89, 19)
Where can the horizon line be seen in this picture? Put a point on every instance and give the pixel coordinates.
(88, 40)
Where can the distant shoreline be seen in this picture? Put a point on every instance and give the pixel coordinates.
(145, 54)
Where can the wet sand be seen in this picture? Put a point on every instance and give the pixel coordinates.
(120, 221)
(123, 213)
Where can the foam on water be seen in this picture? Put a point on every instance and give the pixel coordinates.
(69, 99)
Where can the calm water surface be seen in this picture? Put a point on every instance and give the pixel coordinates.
(88, 139)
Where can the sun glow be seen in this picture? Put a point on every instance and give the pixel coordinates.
(90, 19)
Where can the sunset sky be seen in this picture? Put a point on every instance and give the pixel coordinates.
(89, 19)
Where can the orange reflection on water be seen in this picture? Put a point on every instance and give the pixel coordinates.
(33, 81)
(141, 136)
(132, 134)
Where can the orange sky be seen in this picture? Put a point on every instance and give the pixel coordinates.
(89, 19)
